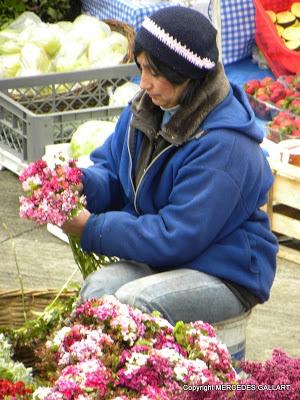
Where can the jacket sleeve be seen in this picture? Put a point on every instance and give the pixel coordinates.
(101, 180)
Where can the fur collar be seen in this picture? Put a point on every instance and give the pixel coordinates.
(184, 124)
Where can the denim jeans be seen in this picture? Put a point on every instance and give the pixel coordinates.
(180, 295)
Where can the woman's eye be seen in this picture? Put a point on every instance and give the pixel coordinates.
(154, 73)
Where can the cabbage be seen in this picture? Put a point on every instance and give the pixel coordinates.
(33, 60)
(9, 65)
(48, 37)
(10, 47)
(90, 135)
(9, 42)
(90, 28)
(26, 20)
(66, 26)
(108, 51)
(71, 56)
(123, 94)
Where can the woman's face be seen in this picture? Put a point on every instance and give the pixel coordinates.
(162, 92)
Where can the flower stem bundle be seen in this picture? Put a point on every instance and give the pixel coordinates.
(51, 196)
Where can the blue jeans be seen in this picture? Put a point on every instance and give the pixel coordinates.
(180, 295)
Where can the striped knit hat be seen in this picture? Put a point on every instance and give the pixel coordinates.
(182, 38)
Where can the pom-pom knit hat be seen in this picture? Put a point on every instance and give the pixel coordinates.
(182, 38)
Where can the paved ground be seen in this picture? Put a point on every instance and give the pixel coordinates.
(46, 262)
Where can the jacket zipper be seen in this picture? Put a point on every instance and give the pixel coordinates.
(135, 191)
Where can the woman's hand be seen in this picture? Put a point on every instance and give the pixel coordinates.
(76, 225)
(79, 188)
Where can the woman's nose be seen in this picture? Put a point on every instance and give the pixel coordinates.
(145, 82)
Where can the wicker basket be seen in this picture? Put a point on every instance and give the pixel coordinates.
(126, 30)
(16, 307)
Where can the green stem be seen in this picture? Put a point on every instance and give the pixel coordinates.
(59, 293)
(18, 270)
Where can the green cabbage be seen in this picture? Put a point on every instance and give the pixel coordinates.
(26, 20)
(90, 28)
(61, 47)
(108, 51)
(90, 135)
(33, 60)
(9, 65)
(48, 37)
(123, 94)
(66, 26)
(71, 56)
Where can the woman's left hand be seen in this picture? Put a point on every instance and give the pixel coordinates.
(76, 225)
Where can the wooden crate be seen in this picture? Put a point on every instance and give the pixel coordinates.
(284, 205)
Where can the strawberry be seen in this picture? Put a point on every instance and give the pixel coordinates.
(251, 86)
(277, 94)
(266, 81)
(263, 97)
(295, 106)
(289, 79)
(296, 133)
(296, 82)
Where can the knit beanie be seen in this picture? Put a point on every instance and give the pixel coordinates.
(182, 38)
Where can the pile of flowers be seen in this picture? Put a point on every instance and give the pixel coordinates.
(274, 379)
(113, 351)
(51, 196)
(15, 379)
(107, 350)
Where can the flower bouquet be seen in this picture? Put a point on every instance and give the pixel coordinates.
(112, 351)
(51, 196)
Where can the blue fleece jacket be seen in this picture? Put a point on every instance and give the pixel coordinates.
(197, 206)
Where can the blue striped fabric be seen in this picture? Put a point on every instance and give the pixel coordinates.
(238, 29)
(237, 21)
(131, 12)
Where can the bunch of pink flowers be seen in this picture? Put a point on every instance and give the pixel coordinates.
(51, 197)
(112, 351)
(50, 193)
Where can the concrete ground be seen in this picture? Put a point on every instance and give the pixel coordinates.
(44, 261)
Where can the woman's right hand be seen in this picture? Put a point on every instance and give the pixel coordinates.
(79, 188)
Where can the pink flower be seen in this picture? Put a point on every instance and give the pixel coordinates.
(50, 196)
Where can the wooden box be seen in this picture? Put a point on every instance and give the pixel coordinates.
(284, 202)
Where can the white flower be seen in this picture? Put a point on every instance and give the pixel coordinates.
(58, 338)
(41, 393)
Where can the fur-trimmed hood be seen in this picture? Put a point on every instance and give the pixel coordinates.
(185, 122)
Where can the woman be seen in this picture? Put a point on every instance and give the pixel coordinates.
(176, 192)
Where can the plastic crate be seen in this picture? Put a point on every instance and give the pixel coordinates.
(280, 59)
(46, 109)
(262, 109)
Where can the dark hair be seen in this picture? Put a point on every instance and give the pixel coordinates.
(170, 74)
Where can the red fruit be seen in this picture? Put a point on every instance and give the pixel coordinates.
(297, 122)
(295, 95)
(289, 78)
(297, 133)
(275, 86)
(296, 102)
(277, 94)
(281, 103)
(274, 126)
(263, 97)
(296, 82)
(289, 92)
(251, 86)
(266, 81)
